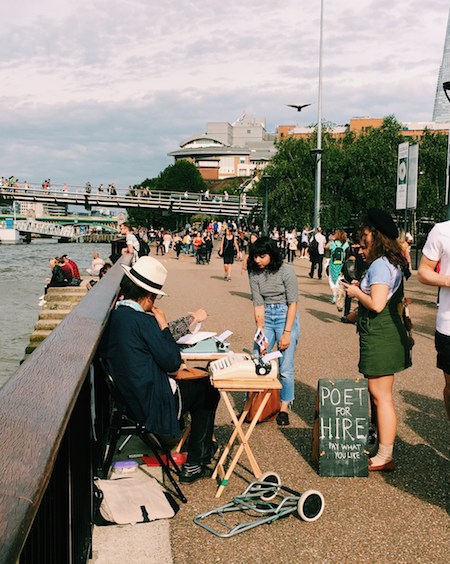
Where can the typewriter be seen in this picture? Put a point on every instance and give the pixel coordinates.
(205, 343)
(243, 367)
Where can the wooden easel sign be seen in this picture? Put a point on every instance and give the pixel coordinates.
(341, 427)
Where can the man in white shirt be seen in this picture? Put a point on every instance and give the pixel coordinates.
(133, 245)
(317, 258)
(437, 250)
(304, 242)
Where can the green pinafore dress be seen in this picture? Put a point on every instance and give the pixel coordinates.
(384, 343)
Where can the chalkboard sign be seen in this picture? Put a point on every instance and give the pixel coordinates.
(341, 427)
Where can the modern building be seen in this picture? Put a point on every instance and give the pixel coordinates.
(228, 150)
(43, 210)
(441, 112)
(363, 124)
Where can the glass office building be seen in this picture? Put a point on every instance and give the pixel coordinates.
(441, 112)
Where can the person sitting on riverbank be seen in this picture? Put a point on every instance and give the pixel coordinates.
(59, 277)
(71, 270)
(143, 358)
(73, 266)
(97, 264)
(104, 269)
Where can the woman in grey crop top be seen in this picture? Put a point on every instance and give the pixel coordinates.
(275, 296)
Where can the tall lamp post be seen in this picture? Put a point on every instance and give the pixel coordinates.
(266, 178)
(446, 87)
(318, 152)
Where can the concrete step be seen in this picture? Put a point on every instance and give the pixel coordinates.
(67, 290)
(59, 303)
(65, 296)
(58, 313)
(39, 336)
(56, 306)
(47, 324)
(31, 347)
(24, 358)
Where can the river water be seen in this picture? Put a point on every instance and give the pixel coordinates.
(23, 269)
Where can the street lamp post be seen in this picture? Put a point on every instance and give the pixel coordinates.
(319, 151)
(446, 87)
(266, 178)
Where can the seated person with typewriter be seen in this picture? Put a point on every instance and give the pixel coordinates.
(140, 353)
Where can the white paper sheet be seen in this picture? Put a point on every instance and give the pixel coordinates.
(271, 356)
(223, 336)
(192, 338)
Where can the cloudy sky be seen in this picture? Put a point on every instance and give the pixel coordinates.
(102, 90)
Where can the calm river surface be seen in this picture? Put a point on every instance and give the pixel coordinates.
(23, 269)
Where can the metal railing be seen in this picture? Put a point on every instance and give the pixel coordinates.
(48, 229)
(181, 202)
(47, 452)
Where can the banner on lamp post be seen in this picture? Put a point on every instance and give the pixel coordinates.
(402, 176)
(413, 167)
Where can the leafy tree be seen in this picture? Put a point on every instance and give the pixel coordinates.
(291, 187)
(431, 181)
(179, 177)
(370, 176)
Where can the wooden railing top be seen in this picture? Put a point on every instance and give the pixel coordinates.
(36, 404)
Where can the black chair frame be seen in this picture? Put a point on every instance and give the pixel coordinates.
(124, 423)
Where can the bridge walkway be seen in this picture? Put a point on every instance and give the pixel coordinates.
(178, 202)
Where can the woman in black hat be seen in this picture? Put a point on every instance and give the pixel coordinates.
(384, 344)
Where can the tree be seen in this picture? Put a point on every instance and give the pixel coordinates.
(358, 172)
(291, 188)
(181, 177)
(370, 178)
(431, 181)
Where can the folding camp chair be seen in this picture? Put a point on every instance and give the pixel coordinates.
(124, 423)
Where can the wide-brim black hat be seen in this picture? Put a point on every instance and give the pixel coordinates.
(382, 221)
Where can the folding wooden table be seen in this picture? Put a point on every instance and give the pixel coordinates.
(203, 357)
(257, 384)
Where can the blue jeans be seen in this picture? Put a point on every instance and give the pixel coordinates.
(274, 324)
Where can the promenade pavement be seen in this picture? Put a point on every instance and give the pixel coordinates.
(399, 517)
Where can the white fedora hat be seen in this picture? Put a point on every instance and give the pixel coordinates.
(147, 273)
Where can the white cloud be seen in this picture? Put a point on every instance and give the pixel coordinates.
(96, 89)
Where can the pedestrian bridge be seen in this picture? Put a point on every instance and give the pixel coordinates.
(46, 229)
(188, 203)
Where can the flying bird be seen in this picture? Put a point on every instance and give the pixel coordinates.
(299, 108)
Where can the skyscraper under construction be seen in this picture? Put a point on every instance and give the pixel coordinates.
(441, 112)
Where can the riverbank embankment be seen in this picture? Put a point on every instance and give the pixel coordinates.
(59, 302)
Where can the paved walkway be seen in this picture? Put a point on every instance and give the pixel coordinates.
(398, 517)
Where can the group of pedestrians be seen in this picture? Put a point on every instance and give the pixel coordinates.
(375, 277)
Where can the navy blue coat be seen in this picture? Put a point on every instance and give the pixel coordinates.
(139, 355)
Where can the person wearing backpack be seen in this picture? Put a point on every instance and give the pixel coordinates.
(316, 252)
(133, 245)
(144, 248)
(338, 247)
